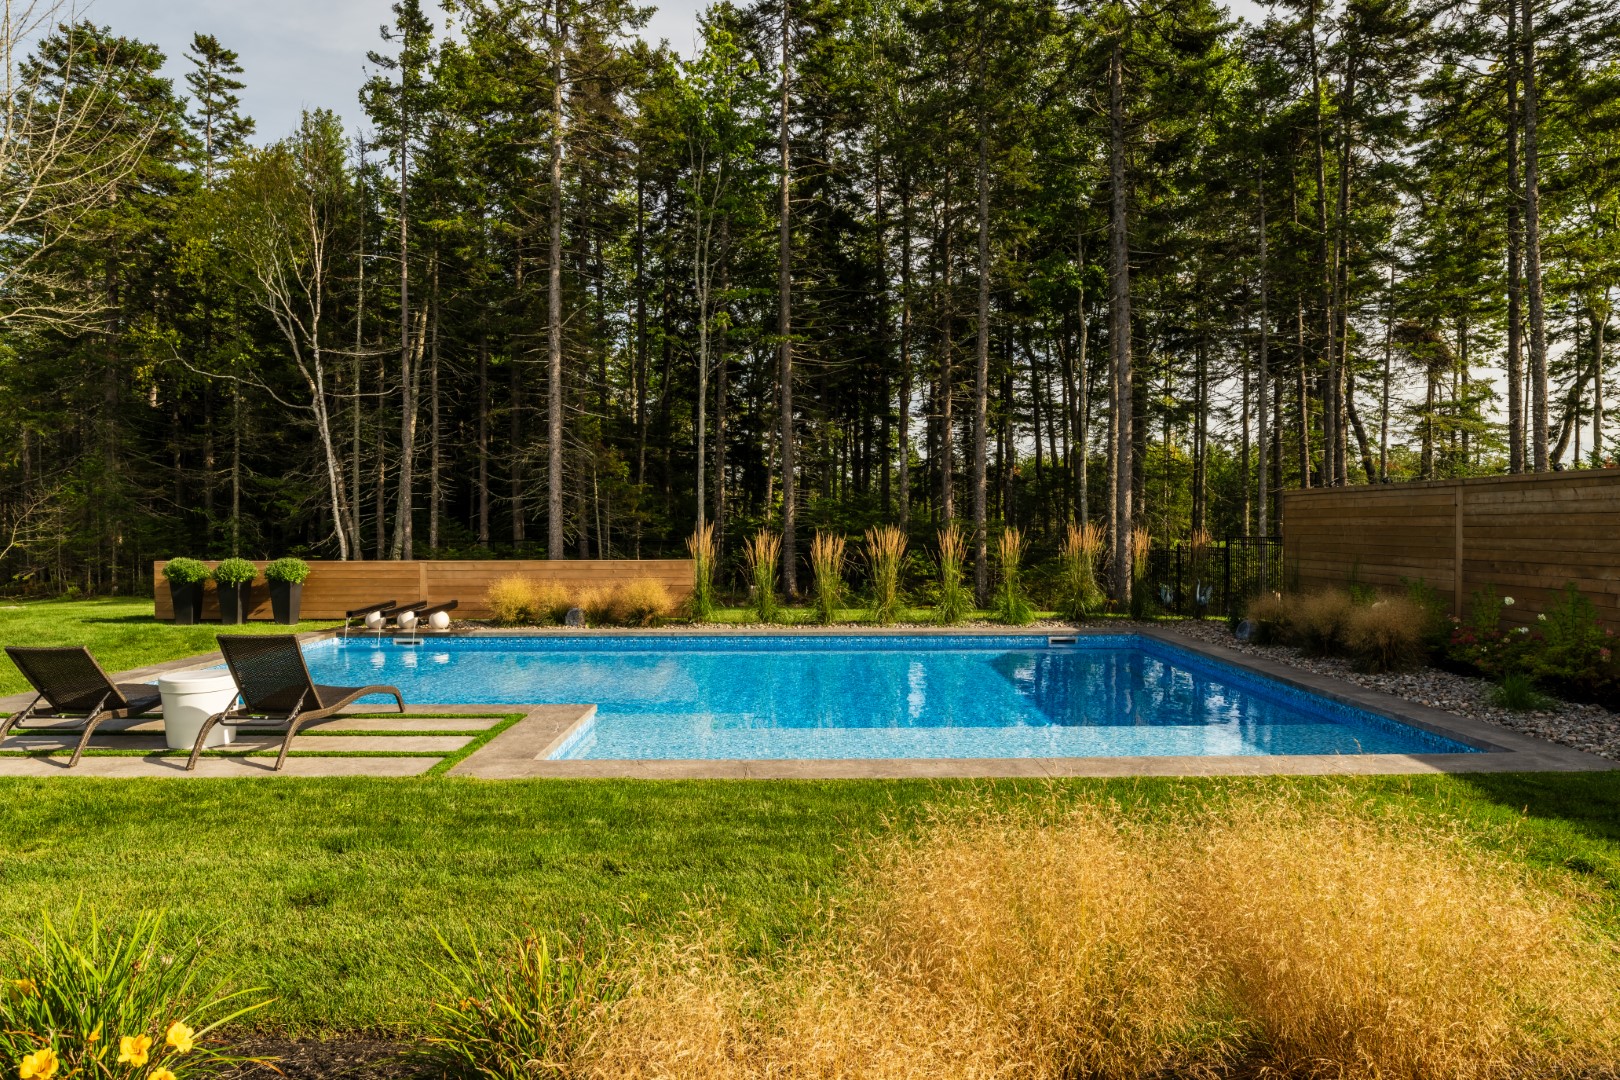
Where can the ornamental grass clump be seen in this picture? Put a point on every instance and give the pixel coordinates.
(761, 554)
(643, 601)
(1141, 548)
(701, 546)
(954, 601)
(1321, 622)
(1012, 606)
(1386, 635)
(1080, 595)
(600, 605)
(81, 1000)
(511, 601)
(534, 1010)
(885, 556)
(827, 570)
(1271, 617)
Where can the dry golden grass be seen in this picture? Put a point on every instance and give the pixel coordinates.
(511, 600)
(552, 600)
(1321, 622)
(1270, 940)
(1387, 635)
(642, 601)
(600, 605)
(516, 600)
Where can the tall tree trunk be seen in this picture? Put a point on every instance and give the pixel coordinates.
(554, 359)
(483, 440)
(1600, 320)
(354, 362)
(403, 508)
(1262, 407)
(1119, 336)
(981, 371)
(904, 433)
(435, 459)
(784, 321)
(947, 375)
(1340, 341)
(1515, 255)
(641, 346)
(1532, 246)
(1330, 404)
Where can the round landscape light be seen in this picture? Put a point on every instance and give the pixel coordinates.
(374, 620)
(439, 620)
(407, 619)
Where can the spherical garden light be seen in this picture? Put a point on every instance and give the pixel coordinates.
(439, 620)
(407, 620)
(374, 620)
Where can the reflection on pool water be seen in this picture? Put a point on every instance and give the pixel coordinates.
(888, 696)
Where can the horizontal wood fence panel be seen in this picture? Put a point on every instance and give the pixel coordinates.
(1525, 536)
(336, 587)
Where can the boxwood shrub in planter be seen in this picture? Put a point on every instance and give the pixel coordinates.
(286, 578)
(232, 579)
(185, 578)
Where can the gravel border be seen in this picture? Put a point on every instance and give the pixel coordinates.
(1591, 728)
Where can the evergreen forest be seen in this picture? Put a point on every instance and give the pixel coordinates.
(560, 292)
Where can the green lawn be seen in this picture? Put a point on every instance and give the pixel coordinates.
(331, 892)
(120, 630)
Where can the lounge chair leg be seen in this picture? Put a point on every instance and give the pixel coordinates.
(202, 739)
(17, 719)
(89, 729)
(286, 744)
(401, 700)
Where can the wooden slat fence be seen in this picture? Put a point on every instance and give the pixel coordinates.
(1528, 536)
(335, 587)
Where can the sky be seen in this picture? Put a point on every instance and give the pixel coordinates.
(302, 54)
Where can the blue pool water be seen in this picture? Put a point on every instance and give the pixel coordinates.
(913, 696)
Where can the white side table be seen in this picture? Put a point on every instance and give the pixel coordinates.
(189, 699)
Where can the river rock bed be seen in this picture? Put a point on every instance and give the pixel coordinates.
(1591, 728)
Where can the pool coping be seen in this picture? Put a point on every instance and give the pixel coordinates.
(522, 750)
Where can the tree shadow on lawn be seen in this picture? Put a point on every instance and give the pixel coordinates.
(1578, 815)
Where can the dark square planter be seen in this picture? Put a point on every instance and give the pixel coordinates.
(285, 600)
(234, 604)
(187, 603)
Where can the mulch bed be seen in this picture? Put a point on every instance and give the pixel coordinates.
(326, 1059)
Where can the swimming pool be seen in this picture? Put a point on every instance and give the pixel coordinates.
(786, 697)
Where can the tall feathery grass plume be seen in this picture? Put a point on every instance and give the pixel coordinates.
(761, 555)
(1141, 548)
(827, 570)
(885, 555)
(701, 546)
(1081, 596)
(1012, 605)
(954, 601)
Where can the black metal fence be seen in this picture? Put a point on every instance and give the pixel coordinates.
(1218, 578)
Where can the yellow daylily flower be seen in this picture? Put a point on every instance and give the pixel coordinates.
(40, 1065)
(160, 1073)
(94, 1036)
(181, 1037)
(133, 1049)
(24, 987)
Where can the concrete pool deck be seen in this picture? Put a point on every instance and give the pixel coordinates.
(522, 750)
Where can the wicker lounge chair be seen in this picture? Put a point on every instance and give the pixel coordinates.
(274, 687)
(72, 685)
